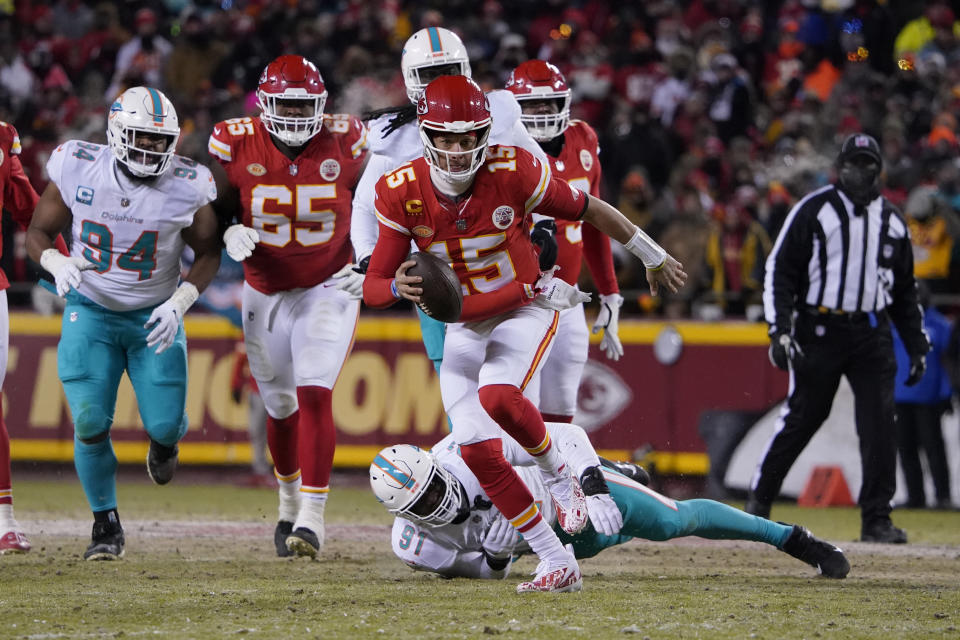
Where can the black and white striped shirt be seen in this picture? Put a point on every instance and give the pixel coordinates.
(831, 257)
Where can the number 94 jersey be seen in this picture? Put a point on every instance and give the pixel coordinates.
(300, 207)
(129, 229)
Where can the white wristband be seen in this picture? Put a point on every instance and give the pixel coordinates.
(52, 260)
(185, 295)
(643, 246)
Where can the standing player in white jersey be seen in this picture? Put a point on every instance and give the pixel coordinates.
(446, 524)
(572, 148)
(395, 139)
(288, 176)
(135, 206)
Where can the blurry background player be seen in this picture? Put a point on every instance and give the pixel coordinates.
(19, 198)
(289, 175)
(470, 205)
(572, 149)
(446, 524)
(135, 206)
(395, 139)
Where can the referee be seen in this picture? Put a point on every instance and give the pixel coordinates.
(840, 271)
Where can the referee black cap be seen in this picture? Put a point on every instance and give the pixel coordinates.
(860, 144)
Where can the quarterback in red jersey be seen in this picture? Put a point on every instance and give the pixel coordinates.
(572, 149)
(289, 175)
(19, 198)
(471, 205)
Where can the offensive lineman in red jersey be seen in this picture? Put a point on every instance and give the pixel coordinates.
(572, 148)
(19, 198)
(470, 205)
(290, 173)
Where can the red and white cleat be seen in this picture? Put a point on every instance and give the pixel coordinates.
(14, 542)
(554, 579)
(570, 502)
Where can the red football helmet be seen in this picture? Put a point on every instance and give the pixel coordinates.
(454, 105)
(290, 78)
(540, 80)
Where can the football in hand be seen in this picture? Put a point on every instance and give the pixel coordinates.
(442, 297)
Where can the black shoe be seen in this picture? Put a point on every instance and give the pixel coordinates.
(107, 542)
(757, 508)
(823, 556)
(303, 542)
(632, 470)
(883, 531)
(280, 534)
(161, 462)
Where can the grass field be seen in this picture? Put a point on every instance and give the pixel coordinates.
(200, 564)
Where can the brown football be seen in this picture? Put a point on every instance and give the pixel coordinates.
(442, 297)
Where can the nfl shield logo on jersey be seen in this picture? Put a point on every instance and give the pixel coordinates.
(502, 217)
(586, 159)
(329, 169)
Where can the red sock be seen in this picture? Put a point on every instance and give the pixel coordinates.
(318, 437)
(556, 417)
(500, 481)
(515, 414)
(282, 441)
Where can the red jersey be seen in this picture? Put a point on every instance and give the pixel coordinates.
(300, 208)
(484, 237)
(16, 196)
(578, 165)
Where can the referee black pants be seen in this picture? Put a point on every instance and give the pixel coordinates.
(859, 347)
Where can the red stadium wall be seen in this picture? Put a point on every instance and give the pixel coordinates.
(389, 393)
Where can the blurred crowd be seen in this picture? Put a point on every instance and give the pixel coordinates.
(714, 116)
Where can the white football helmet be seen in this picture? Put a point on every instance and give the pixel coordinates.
(428, 48)
(142, 110)
(409, 482)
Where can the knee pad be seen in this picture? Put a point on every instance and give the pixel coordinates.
(167, 433)
(100, 437)
(91, 424)
(502, 402)
(280, 404)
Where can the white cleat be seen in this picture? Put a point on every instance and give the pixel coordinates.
(561, 578)
(570, 502)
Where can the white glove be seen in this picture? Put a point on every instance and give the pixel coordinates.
(168, 316)
(351, 281)
(604, 514)
(240, 241)
(501, 538)
(64, 269)
(554, 293)
(608, 320)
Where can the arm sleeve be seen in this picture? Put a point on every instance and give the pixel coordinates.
(363, 220)
(904, 308)
(599, 257)
(390, 251)
(19, 198)
(789, 257)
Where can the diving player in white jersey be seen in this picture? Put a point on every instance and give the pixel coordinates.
(446, 524)
(394, 138)
(135, 206)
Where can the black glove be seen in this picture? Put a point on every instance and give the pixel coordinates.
(543, 238)
(784, 350)
(918, 366)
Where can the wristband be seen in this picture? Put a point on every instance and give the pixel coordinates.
(184, 297)
(393, 289)
(652, 254)
(495, 563)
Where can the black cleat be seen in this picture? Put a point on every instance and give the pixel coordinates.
(757, 508)
(882, 531)
(280, 534)
(107, 542)
(303, 542)
(823, 556)
(632, 470)
(161, 462)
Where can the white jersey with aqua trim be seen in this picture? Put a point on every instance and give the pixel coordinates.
(404, 145)
(129, 229)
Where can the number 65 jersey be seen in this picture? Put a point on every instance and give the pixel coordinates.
(300, 207)
(130, 229)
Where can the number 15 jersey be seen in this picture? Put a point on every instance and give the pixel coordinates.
(300, 207)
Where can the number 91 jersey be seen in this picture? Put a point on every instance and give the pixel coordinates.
(300, 207)
(129, 229)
